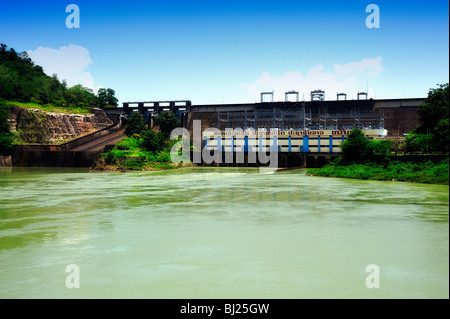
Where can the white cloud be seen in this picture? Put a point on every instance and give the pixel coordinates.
(367, 68)
(348, 78)
(70, 63)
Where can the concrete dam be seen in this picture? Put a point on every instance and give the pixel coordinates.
(309, 131)
(397, 116)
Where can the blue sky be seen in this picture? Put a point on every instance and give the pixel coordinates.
(229, 51)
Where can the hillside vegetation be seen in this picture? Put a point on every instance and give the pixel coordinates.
(25, 84)
(22, 80)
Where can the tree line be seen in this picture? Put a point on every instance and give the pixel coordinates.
(23, 81)
(432, 137)
(433, 134)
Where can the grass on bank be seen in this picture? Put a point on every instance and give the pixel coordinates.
(32, 130)
(50, 107)
(426, 172)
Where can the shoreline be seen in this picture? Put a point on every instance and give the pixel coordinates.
(119, 168)
(425, 173)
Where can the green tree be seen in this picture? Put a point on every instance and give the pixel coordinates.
(153, 141)
(167, 121)
(394, 145)
(22, 76)
(102, 97)
(379, 148)
(106, 98)
(416, 142)
(135, 124)
(435, 108)
(434, 114)
(441, 135)
(355, 148)
(112, 100)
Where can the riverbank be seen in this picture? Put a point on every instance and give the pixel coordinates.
(427, 173)
(138, 165)
(131, 155)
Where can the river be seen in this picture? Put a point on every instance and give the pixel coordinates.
(219, 233)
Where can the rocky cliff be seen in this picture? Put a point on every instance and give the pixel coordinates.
(35, 126)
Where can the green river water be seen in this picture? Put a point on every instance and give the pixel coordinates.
(219, 233)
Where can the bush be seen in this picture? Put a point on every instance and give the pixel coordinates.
(408, 172)
(379, 148)
(135, 124)
(130, 143)
(153, 141)
(355, 148)
(419, 143)
(110, 158)
(137, 163)
(441, 135)
(167, 121)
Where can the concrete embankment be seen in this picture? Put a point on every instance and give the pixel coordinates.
(81, 152)
(45, 157)
(38, 133)
(35, 126)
